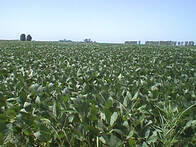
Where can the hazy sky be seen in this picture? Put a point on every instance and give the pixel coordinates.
(100, 20)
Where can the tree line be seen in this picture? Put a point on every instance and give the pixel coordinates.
(171, 43)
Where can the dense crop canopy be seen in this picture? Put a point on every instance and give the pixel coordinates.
(69, 94)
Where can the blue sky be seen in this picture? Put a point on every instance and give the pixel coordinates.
(100, 20)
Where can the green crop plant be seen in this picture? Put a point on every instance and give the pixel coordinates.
(78, 94)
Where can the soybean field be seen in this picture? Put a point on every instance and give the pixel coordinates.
(97, 95)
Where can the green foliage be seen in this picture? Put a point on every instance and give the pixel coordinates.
(22, 37)
(29, 38)
(72, 94)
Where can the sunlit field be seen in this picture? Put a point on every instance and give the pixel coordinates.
(91, 94)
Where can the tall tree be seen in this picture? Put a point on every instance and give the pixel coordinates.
(29, 38)
(22, 37)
